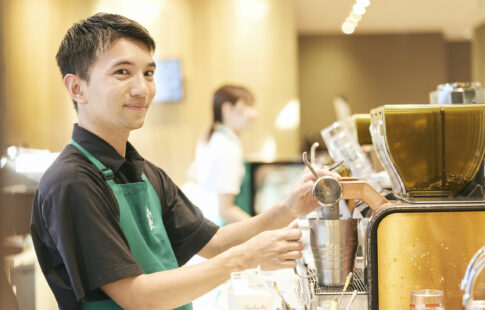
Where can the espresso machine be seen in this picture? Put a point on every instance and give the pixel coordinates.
(424, 231)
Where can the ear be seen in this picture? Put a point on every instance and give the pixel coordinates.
(73, 85)
(226, 108)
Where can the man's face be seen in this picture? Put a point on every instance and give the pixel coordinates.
(120, 87)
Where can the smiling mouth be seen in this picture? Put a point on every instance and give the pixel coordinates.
(137, 107)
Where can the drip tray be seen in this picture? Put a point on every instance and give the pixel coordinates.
(325, 294)
(356, 284)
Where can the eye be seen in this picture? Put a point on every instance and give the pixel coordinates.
(121, 71)
(149, 73)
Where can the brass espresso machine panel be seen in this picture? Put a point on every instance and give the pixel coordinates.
(425, 246)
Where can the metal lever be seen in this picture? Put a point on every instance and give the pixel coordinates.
(328, 191)
(324, 190)
(354, 188)
(312, 152)
(305, 160)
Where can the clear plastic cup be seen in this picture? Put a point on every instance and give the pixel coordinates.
(427, 300)
(343, 146)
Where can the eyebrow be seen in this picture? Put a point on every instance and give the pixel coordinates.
(126, 62)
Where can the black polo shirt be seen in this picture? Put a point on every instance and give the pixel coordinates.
(75, 220)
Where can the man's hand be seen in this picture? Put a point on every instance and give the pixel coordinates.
(273, 249)
(301, 201)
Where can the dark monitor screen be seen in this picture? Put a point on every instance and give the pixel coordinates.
(273, 182)
(169, 81)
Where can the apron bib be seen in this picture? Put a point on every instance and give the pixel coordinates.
(142, 224)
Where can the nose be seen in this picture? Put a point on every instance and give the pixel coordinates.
(140, 86)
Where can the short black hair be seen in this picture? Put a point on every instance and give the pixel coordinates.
(89, 37)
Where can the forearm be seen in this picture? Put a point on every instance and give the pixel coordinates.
(232, 214)
(228, 211)
(173, 288)
(239, 232)
(299, 203)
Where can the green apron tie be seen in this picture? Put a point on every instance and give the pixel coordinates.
(142, 224)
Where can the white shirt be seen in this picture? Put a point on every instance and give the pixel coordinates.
(220, 164)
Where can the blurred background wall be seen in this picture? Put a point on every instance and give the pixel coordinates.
(7, 299)
(373, 70)
(478, 60)
(267, 45)
(245, 42)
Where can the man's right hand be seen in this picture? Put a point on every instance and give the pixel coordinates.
(273, 249)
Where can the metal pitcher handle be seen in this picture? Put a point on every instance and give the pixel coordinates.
(295, 270)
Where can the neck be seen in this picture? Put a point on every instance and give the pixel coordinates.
(115, 137)
(232, 129)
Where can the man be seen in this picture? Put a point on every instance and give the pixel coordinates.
(111, 229)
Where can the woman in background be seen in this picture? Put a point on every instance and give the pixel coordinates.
(219, 155)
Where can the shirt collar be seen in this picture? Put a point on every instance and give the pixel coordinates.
(228, 132)
(104, 152)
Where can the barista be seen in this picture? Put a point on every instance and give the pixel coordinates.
(219, 156)
(111, 229)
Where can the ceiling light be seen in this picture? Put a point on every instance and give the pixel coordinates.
(348, 28)
(363, 3)
(268, 151)
(289, 117)
(355, 16)
(357, 9)
(352, 21)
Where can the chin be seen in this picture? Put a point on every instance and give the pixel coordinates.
(136, 125)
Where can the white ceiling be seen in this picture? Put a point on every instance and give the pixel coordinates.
(454, 18)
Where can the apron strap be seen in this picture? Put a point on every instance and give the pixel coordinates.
(107, 173)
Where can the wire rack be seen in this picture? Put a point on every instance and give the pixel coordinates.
(357, 283)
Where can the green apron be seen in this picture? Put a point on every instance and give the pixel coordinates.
(142, 224)
(243, 200)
